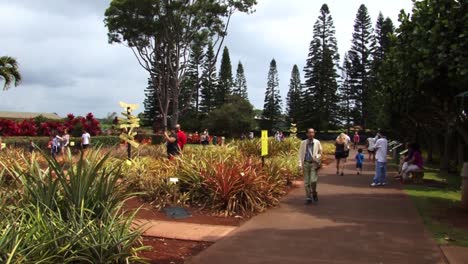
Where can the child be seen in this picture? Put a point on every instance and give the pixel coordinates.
(359, 161)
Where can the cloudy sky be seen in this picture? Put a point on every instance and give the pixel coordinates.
(69, 67)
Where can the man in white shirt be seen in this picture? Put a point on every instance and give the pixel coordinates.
(381, 149)
(310, 154)
(85, 140)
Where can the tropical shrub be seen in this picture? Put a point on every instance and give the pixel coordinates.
(43, 127)
(66, 216)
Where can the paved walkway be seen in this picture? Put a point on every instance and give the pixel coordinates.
(184, 231)
(352, 223)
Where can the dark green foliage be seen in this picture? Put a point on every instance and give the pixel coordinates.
(360, 56)
(272, 105)
(240, 84)
(424, 71)
(320, 101)
(190, 91)
(233, 118)
(225, 80)
(293, 99)
(151, 105)
(209, 81)
(378, 113)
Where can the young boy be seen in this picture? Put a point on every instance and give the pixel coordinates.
(359, 161)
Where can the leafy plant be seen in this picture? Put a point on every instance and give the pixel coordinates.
(72, 215)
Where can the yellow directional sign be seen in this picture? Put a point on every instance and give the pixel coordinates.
(264, 142)
(128, 124)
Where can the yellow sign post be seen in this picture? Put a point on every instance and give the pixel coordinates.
(264, 143)
(127, 125)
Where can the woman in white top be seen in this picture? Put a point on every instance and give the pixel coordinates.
(65, 141)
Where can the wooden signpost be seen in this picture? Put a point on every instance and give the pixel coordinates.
(127, 125)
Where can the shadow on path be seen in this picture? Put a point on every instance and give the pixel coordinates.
(352, 223)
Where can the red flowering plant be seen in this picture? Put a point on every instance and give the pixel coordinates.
(8, 128)
(27, 127)
(91, 124)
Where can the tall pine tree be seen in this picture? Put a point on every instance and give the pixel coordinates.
(151, 105)
(240, 84)
(190, 87)
(384, 29)
(293, 99)
(209, 82)
(225, 80)
(361, 62)
(347, 98)
(321, 105)
(272, 105)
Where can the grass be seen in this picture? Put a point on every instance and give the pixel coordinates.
(437, 204)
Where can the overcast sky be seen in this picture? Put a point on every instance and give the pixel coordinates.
(69, 67)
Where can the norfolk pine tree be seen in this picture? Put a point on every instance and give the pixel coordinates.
(272, 105)
(225, 80)
(361, 62)
(378, 109)
(321, 105)
(293, 99)
(209, 81)
(240, 84)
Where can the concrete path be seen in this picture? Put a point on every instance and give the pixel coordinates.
(455, 254)
(352, 223)
(184, 231)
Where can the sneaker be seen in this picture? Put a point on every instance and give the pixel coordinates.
(342, 174)
(308, 200)
(374, 184)
(315, 197)
(383, 184)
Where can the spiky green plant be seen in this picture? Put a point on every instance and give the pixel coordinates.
(68, 214)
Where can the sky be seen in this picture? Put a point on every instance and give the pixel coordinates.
(68, 66)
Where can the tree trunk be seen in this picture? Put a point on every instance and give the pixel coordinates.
(461, 152)
(445, 158)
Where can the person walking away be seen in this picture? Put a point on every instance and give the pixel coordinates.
(356, 139)
(371, 148)
(172, 145)
(65, 142)
(310, 154)
(181, 137)
(55, 149)
(381, 148)
(340, 153)
(85, 140)
(359, 161)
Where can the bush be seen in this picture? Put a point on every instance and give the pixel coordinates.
(67, 216)
(44, 127)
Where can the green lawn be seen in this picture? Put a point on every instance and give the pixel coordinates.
(434, 202)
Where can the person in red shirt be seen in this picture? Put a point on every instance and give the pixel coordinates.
(356, 139)
(181, 137)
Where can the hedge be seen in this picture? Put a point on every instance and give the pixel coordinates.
(105, 141)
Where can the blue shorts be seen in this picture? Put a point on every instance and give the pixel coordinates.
(359, 165)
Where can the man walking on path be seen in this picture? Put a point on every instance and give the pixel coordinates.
(310, 153)
(181, 137)
(381, 146)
